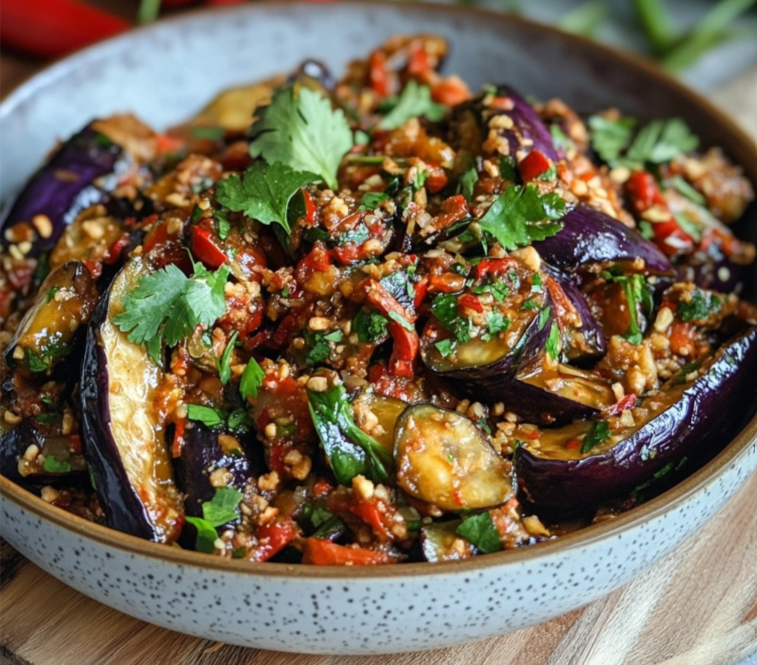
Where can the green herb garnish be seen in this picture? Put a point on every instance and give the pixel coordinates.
(480, 531)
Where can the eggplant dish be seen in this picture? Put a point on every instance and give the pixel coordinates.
(372, 320)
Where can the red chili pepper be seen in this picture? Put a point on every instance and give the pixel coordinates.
(563, 304)
(421, 288)
(368, 511)
(493, 267)
(272, 538)
(95, 267)
(75, 447)
(322, 487)
(624, 404)
(165, 144)
(405, 351)
(321, 552)
(417, 61)
(51, 28)
(178, 437)
(379, 79)
(205, 249)
(450, 91)
(436, 182)
(470, 301)
(573, 443)
(114, 253)
(310, 208)
(316, 261)
(533, 165)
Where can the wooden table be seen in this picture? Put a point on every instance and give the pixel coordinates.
(698, 606)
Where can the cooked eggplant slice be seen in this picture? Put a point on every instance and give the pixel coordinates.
(585, 463)
(29, 455)
(124, 440)
(443, 459)
(65, 302)
(589, 236)
(205, 452)
(439, 542)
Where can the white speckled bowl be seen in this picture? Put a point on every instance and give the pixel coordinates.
(166, 72)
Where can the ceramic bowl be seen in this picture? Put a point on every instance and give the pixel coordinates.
(168, 71)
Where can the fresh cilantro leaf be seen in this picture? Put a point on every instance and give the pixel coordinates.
(239, 420)
(553, 343)
(480, 531)
(398, 318)
(561, 141)
(206, 534)
(223, 507)
(252, 379)
(495, 324)
(536, 283)
(689, 227)
(349, 450)
(508, 169)
(610, 138)
(446, 347)
(414, 101)
(372, 200)
(207, 415)
(600, 431)
(264, 192)
(54, 465)
(544, 317)
(370, 327)
(699, 307)
(318, 347)
(646, 230)
(167, 304)
(224, 225)
(660, 141)
(683, 187)
(638, 294)
(529, 305)
(517, 216)
(301, 130)
(223, 366)
(467, 183)
(319, 515)
(444, 308)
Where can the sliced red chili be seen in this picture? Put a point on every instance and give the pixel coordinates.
(319, 552)
(533, 165)
(206, 249)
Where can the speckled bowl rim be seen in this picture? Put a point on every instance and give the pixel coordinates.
(669, 500)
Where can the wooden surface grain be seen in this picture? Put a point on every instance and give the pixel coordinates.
(698, 606)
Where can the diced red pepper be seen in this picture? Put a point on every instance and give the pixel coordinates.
(533, 165)
(370, 512)
(165, 144)
(178, 437)
(322, 487)
(470, 301)
(421, 288)
(573, 443)
(319, 552)
(75, 447)
(417, 61)
(94, 267)
(272, 538)
(494, 267)
(206, 249)
(405, 350)
(450, 91)
(114, 253)
(379, 79)
(436, 182)
(316, 261)
(624, 404)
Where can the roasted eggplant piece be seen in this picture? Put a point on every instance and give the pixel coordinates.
(686, 416)
(31, 456)
(65, 186)
(124, 440)
(439, 543)
(443, 459)
(205, 451)
(65, 302)
(589, 236)
(520, 125)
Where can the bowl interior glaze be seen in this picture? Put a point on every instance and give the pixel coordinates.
(166, 72)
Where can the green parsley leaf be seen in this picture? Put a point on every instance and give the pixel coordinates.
(370, 327)
(54, 465)
(167, 304)
(610, 138)
(318, 347)
(544, 317)
(207, 415)
(508, 169)
(301, 130)
(264, 192)
(529, 304)
(516, 217)
(480, 531)
(467, 183)
(224, 225)
(372, 200)
(553, 343)
(495, 324)
(414, 101)
(206, 534)
(223, 366)
(446, 347)
(660, 141)
(444, 308)
(252, 379)
(638, 294)
(699, 307)
(349, 450)
(600, 431)
(398, 318)
(223, 507)
(239, 420)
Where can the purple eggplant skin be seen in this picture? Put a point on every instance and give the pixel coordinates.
(14, 443)
(713, 271)
(590, 236)
(528, 132)
(123, 438)
(202, 453)
(64, 186)
(589, 341)
(703, 416)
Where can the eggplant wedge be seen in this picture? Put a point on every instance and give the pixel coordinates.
(124, 440)
(443, 459)
(206, 451)
(45, 336)
(589, 236)
(688, 415)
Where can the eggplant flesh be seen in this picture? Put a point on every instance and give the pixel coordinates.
(589, 236)
(124, 440)
(65, 302)
(684, 418)
(63, 187)
(443, 459)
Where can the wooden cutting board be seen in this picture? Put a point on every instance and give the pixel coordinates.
(698, 606)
